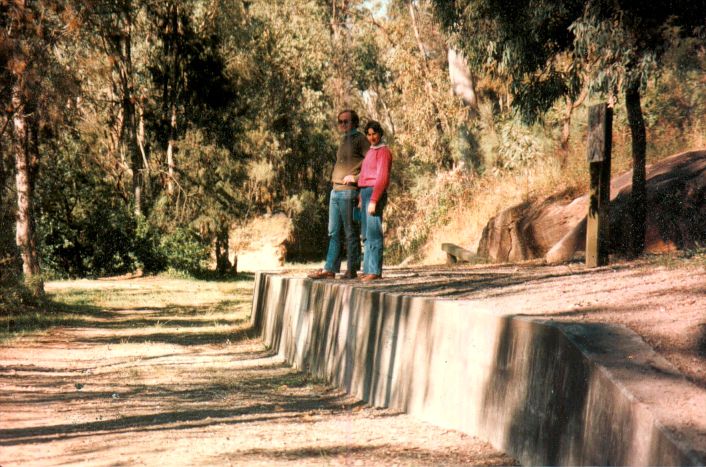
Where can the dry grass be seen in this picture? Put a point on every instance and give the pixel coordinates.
(493, 193)
(490, 195)
(211, 303)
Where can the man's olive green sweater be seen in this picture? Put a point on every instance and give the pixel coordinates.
(349, 158)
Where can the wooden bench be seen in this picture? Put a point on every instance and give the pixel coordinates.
(455, 254)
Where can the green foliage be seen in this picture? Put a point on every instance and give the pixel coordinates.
(84, 229)
(675, 103)
(310, 224)
(183, 250)
(13, 292)
(15, 297)
(518, 145)
(147, 252)
(369, 71)
(242, 95)
(9, 260)
(521, 42)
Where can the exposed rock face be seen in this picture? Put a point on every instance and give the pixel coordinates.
(530, 229)
(555, 227)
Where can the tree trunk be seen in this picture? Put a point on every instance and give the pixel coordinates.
(223, 265)
(24, 234)
(566, 132)
(140, 139)
(172, 99)
(639, 148)
(341, 44)
(130, 135)
(463, 80)
(566, 126)
(134, 151)
(171, 166)
(445, 153)
(3, 176)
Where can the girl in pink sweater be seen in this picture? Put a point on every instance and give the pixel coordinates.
(373, 182)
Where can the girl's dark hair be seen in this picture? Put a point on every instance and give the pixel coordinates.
(376, 127)
(355, 119)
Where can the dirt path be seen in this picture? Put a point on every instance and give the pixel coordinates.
(153, 372)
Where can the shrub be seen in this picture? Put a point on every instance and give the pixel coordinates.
(309, 214)
(183, 250)
(90, 236)
(146, 247)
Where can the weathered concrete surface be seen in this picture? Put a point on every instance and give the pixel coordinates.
(542, 391)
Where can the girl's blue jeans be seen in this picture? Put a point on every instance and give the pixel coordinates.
(371, 231)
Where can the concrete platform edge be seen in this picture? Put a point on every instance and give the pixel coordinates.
(547, 393)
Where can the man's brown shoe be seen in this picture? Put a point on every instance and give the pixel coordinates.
(349, 275)
(321, 274)
(370, 277)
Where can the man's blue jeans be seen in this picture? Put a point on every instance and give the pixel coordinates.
(371, 231)
(340, 214)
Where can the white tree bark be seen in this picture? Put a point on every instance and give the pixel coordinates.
(24, 233)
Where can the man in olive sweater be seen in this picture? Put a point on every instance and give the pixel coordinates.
(344, 198)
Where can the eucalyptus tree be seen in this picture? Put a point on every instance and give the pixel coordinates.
(187, 70)
(195, 109)
(38, 84)
(118, 30)
(548, 49)
(623, 43)
(404, 77)
(284, 66)
(524, 42)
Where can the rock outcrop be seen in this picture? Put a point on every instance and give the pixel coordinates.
(554, 228)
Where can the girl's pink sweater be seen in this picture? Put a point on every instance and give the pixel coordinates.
(375, 171)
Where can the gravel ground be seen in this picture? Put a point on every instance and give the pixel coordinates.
(150, 386)
(162, 385)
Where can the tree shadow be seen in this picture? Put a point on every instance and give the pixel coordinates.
(547, 397)
(177, 337)
(375, 453)
(215, 276)
(462, 283)
(169, 317)
(536, 386)
(262, 387)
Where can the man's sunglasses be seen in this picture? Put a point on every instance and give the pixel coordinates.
(344, 122)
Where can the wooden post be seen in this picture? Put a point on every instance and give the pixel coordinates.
(600, 123)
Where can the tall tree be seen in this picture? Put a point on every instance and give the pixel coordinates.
(623, 41)
(546, 49)
(114, 26)
(171, 94)
(39, 88)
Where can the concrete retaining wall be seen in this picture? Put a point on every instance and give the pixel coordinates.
(544, 392)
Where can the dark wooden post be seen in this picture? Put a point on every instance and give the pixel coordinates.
(600, 124)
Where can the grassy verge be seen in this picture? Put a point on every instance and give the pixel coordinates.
(79, 302)
(458, 211)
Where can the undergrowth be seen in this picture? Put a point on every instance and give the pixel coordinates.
(467, 197)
